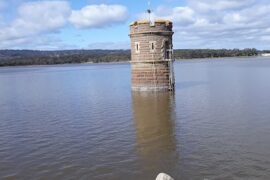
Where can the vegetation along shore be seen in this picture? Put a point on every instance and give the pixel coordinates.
(35, 57)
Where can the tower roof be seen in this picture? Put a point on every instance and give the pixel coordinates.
(159, 21)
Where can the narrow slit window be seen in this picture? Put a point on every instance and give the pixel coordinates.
(137, 47)
(152, 46)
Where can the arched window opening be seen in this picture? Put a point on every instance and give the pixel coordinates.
(168, 50)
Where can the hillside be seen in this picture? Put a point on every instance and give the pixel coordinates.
(34, 57)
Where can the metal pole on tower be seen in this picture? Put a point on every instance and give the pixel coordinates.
(149, 11)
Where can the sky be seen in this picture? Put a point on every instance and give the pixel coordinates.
(104, 24)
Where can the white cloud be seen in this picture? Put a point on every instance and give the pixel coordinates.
(96, 16)
(37, 24)
(219, 24)
(179, 15)
(198, 24)
(35, 18)
(220, 5)
(44, 42)
(110, 45)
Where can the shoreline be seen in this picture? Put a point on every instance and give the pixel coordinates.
(67, 64)
(128, 62)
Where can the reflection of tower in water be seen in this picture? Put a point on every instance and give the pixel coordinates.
(153, 118)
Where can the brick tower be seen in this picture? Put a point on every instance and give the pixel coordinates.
(152, 55)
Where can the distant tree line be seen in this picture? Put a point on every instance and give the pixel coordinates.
(213, 53)
(31, 57)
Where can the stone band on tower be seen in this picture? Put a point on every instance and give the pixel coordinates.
(152, 55)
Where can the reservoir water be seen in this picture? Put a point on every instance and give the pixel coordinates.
(83, 122)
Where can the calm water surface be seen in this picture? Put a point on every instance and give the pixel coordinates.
(83, 122)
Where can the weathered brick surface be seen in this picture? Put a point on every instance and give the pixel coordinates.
(150, 70)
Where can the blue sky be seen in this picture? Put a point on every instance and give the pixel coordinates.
(103, 24)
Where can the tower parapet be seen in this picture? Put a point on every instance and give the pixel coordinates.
(152, 55)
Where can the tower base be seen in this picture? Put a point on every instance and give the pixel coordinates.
(152, 76)
(150, 88)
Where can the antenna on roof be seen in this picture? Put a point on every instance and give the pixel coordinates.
(149, 11)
